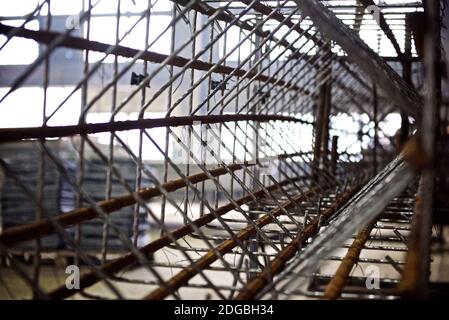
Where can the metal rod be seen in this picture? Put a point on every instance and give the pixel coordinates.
(260, 281)
(405, 97)
(335, 286)
(16, 134)
(150, 56)
(129, 259)
(38, 229)
(226, 246)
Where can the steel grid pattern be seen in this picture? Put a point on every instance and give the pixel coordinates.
(216, 170)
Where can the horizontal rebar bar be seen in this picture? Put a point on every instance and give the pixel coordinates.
(17, 134)
(219, 58)
(38, 229)
(78, 43)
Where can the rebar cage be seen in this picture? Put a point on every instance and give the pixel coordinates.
(213, 149)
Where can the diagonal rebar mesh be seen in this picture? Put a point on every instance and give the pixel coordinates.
(199, 149)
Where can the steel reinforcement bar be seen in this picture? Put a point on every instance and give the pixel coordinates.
(16, 134)
(277, 265)
(416, 275)
(385, 27)
(416, 269)
(404, 96)
(279, 17)
(226, 246)
(41, 228)
(336, 284)
(38, 229)
(366, 205)
(206, 9)
(129, 259)
(47, 37)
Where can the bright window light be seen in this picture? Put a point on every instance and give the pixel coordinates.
(19, 51)
(101, 31)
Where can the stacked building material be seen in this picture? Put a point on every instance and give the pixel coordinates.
(58, 195)
(16, 207)
(94, 186)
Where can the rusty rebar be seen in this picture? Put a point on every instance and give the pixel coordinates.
(336, 284)
(78, 43)
(416, 269)
(264, 277)
(16, 134)
(129, 259)
(226, 246)
(41, 228)
(416, 274)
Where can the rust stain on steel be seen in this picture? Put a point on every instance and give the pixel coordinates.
(16, 134)
(414, 282)
(78, 43)
(414, 153)
(129, 259)
(336, 284)
(226, 246)
(277, 265)
(44, 227)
